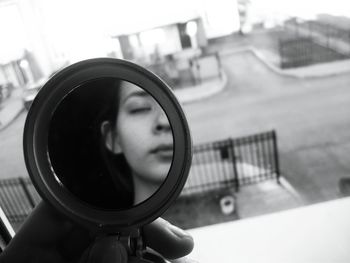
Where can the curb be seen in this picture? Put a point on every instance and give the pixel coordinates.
(286, 185)
(201, 92)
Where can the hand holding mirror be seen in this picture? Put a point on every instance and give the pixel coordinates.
(107, 144)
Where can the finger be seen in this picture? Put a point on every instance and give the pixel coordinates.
(33, 237)
(106, 250)
(43, 226)
(167, 239)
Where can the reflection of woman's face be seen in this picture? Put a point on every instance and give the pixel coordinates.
(143, 134)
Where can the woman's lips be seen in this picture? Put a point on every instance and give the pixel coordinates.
(164, 151)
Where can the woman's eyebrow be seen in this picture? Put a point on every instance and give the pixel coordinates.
(137, 93)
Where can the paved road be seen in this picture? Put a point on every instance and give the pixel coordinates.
(312, 119)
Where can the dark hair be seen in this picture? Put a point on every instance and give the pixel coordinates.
(77, 148)
(116, 165)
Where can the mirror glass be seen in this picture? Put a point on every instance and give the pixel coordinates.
(110, 143)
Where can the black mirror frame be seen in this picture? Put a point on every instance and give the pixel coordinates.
(35, 143)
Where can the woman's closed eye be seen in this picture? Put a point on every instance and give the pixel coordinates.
(139, 108)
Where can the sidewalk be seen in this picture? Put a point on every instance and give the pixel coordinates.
(11, 108)
(266, 197)
(322, 70)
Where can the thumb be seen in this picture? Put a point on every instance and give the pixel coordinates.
(106, 249)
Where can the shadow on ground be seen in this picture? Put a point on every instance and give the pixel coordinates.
(198, 210)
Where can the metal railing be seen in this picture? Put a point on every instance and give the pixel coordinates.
(313, 42)
(233, 163)
(17, 198)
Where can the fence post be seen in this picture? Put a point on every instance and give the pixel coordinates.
(275, 152)
(26, 192)
(280, 52)
(217, 56)
(234, 164)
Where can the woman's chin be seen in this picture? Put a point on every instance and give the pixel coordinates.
(158, 178)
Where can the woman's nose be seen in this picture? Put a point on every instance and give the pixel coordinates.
(162, 122)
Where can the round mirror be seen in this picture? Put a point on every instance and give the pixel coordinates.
(110, 143)
(107, 143)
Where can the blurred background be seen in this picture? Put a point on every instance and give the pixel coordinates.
(264, 84)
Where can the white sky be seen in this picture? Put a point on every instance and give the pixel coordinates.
(117, 17)
(91, 22)
(12, 38)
